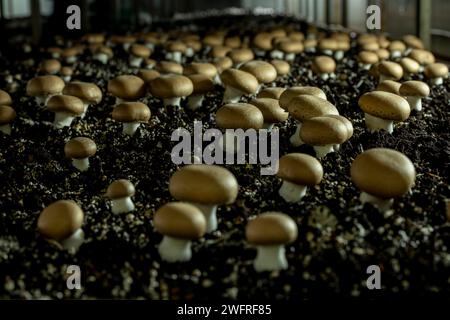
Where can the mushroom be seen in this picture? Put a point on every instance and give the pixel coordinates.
(220, 51)
(410, 66)
(148, 75)
(262, 43)
(328, 46)
(66, 108)
(270, 232)
(348, 125)
(423, 57)
(389, 86)
(381, 109)
(397, 48)
(206, 187)
(171, 88)
(44, 87)
(263, 71)
(382, 54)
(289, 48)
(131, 114)
(271, 111)
(342, 47)
(436, 72)
(89, 93)
(414, 91)
(5, 98)
(179, 223)
(304, 107)
(167, 67)
(175, 50)
(120, 193)
(389, 70)
(61, 222)
(323, 133)
(271, 92)
(310, 45)
(298, 172)
(292, 92)
(382, 174)
(66, 73)
(50, 66)
(126, 88)
(70, 54)
(367, 59)
(237, 83)
(202, 85)
(7, 116)
(207, 69)
(103, 54)
(241, 55)
(79, 150)
(282, 67)
(139, 52)
(124, 41)
(149, 63)
(323, 66)
(221, 64)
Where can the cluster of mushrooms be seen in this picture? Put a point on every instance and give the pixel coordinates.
(246, 68)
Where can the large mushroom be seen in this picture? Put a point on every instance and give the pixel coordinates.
(43, 88)
(66, 108)
(414, 91)
(89, 93)
(237, 83)
(126, 88)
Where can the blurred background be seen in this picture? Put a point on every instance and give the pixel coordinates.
(429, 19)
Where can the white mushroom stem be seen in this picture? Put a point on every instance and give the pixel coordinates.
(130, 128)
(150, 45)
(209, 211)
(172, 101)
(292, 192)
(268, 126)
(175, 250)
(217, 79)
(102, 57)
(71, 59)
(67, 78)
(379, 203)
(295, 138)
(73, 242)
(42, 100)
(56, 55)
(63, 119)
(415, 103)
(174, 56)
(231, 95)
(365, 66)
(421, 68)
(375, 124)
(195, 101)
(338, 55)
(437, 81)
(122, 205)
(81, 164)
(270, 258)
(289, 56)
(327, 52)
(396, 54)
(259, 52)
(310, 50)
(5, 128)
(276, 54)
(85, 107)
(324, 76)
(135, 61)
(189, 52)
(322, 151)
(336, 147)
(126, 46)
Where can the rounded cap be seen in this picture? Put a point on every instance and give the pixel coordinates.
(5, 98)
(323, 64)
(290, 46)
(290, 93)
(263, 41)
(240, 55)
(271, 92)
(148, 75)
(223, 63)
(175, 46)
(301, 169)
(180, 220)
(202, 183)
(348, 124)
(409, 65)
(7, 115)
(270, 109)
(397, 45)
(385, 105)
(206, 69)
(412, 41)
(45, 85)
(60, 220)
(389, 86)
(104, 50)
(120, 189)
(86, 91)
(382, 172)
(170, 86)
(241, 80)
(281, 66)
(50, 66)
(328, 44)
(127, 87)
(263, 71)
(306, 106)
(423, 57)
(220, 52)
(239, 116)
(66, 71)
(382, 54)
(390, 69)
(323, 130)
(368, 57)
(414, 88)
(202, 83)
(140, 50)
(233, 42)
(65, 103)
(271, 228)
(436, 70)
(80, 148)
(131, 112)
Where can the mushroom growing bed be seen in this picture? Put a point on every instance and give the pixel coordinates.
(338, 236)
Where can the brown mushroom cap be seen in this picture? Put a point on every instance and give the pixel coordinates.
(290, 93)
(176, 46)
(66, 71)
(127, 87)
(281, 66)
(409, 65)
(131, 112)
(220, 52)
(263, 41)
(45, 85)
(240, 55)
(202, 183)
(140, 51)
(222, 64)
(65, 103)
(289, 46)
(50, 66)
(328, 44)
(202, 83)
(385, 105)
(233, 42)
(382, 172)
(86, 91)
(397, 45)
(382, 54)
(206, 69)
(389, 86)
(241, 80)
(271, 92)
(301, 169)
(271, 228)
(120, 189)
(270, 109)
(148, 75)
(436, 70)
(348, 124)
(323, 130)
(5, 98)
(60, 220)
(7, 115)
(171, 86)
(263, 71)
(239, 116)
(390, 69)
(413, 42)
(180, 220)
(104, 50)
(323, 64)
(368, 57)
(80, 148)
(414, 88)
(306, 106)
(423, 57)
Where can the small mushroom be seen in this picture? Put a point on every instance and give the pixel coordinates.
(5, 98)
(423, 57)
(381, 109)
(328, 46)
(148, 75)
(103, 54)
(367, 59)
(271, 92)
(389, 86)
(139, 52)
(262, 43)
(44, 87)
(70, 54)
(79, 150)
(382, 174)
(292, 92)
(237, 83)
(289, 48)
(263, 71)
(61, 222)
(207, 69)
(436, 72)
(171, 88)
(396, 48)
(271, 111)
(324, 66)
(89, 93)
(50, 66)
(179, 223)
(175, 50)
(7, 116)
(66, 108)
(131, 114)
(414, 91)
(389, 70)
(120, 193)
(240, 56)
(298, 172)
(126, 88)
(270, 232)
(282, 67)
(66, 73)
(167, 67)
(410, 66)
(206, 187)
(348, 125)
(202, 85)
